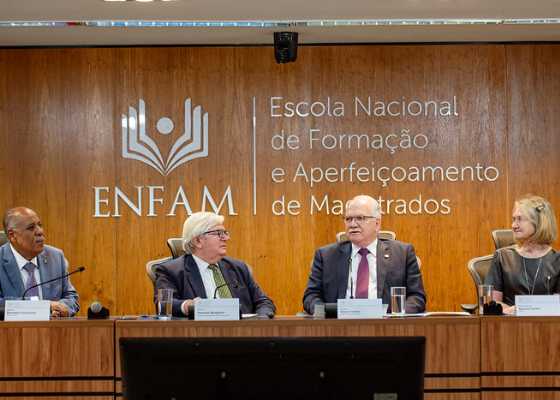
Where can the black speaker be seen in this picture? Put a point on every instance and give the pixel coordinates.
(285, 46)
(96, 311)
(493, 308)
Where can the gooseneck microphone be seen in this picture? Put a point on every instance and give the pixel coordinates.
(233, 284)
(50, 280)
(351, 280)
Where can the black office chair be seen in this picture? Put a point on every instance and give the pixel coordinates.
(503, 238)
(176, 247)
(3, 238)
(478, 267)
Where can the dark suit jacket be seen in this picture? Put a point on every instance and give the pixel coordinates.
(396, 266)
(183, 276)
(52, 264)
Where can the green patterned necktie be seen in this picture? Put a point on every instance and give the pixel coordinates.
(219, 279)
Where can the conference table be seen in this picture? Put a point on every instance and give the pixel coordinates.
(467, 357)
(58, 359)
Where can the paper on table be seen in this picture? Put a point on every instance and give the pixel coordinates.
(439, 314)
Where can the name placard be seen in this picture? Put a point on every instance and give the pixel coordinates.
(27, 310)
(216, 309)
(359, 308)
(537, 306)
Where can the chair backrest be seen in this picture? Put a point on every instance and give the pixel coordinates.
(341, 236)
(478, 267)
(503, 238)
(3, 238)
(176, 247)
(152, 265)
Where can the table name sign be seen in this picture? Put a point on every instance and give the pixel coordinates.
(537, 306)
(359, 308)
(27, 310)
(216, 309)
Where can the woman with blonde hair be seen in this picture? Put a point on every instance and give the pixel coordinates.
(531, 266)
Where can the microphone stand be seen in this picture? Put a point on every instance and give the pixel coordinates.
(50, 280)
(233, 284)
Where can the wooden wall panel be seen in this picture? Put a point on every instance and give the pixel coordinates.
(534, 123)
(60, 121)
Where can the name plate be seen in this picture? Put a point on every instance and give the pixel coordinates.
(27, 310)
(359, 308)
(537, 306)
(216, 309)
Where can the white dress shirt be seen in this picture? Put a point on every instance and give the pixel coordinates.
(21, 261)
(353, 275)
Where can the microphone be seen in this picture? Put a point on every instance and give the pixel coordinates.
(224, 284)
(270, 314)
(97, 311)
(351, 280)
(51, 280)
(548, 284)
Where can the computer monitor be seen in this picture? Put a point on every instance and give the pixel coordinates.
(273, 368)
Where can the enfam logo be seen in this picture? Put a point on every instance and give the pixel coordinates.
(137, 145)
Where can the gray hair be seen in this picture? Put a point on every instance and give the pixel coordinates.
(10, 218)
(375, 207)
(196, 225)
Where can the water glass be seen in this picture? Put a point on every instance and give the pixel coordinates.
(485, 295)
(399, 300)
(164, 301)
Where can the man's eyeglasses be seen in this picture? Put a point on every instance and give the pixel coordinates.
(360, 219)
(218, 232)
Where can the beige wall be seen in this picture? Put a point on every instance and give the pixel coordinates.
(60, 124)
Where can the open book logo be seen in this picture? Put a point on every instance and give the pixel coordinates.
(137, 145)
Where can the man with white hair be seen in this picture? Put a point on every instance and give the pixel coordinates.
(205, 267)
(364, 266)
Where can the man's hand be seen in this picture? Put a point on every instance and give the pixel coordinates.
(59, 310)
(189, 303)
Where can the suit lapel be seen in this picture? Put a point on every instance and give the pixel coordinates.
(342, 262)
(46, 273)
(194, 278)
(12, 270)
(229, 276)
(383, 257)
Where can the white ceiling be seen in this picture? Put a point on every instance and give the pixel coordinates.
(276, 11)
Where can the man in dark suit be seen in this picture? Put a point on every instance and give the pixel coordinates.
(26, 258)
(338, 272)
(205, 266)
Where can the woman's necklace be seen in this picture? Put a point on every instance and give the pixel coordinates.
(531, 291)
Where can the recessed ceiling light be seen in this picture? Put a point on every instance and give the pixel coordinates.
(281, 24)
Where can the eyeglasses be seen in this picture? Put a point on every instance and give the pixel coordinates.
(519, 220)
(218, 232)
(360, 219)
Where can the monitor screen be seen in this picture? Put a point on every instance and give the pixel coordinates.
(273, 368)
